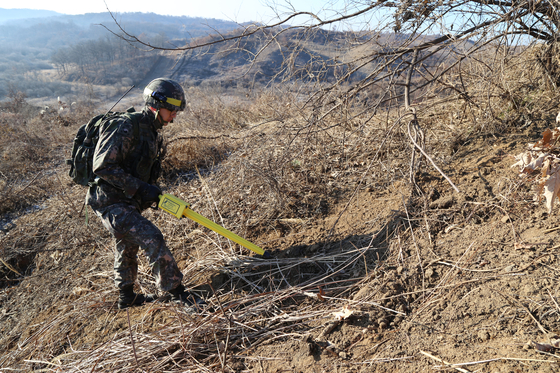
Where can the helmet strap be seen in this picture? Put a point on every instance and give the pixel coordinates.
(158, 117)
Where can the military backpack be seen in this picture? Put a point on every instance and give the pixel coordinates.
(81, 163)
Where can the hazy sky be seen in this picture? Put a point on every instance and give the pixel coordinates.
(234, 10)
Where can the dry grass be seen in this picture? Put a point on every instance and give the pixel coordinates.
(505, 92)
(246, 164)
(286, 164)
(178, 340)
(31, 146)
(265, 170)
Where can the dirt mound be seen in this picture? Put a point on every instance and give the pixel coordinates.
(470, 280)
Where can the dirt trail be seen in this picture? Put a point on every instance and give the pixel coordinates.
(167, 65)
(164, 67)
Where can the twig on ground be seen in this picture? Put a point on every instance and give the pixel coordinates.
(553, 300)
(444, 362)
(514, 302)
(551, 230)
(434, 164)
(10, 267)
(132, 339)
(496, 359)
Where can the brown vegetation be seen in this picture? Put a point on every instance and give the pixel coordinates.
(379, 265)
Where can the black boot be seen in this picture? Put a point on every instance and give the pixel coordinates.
(185, 297)
(128, 298)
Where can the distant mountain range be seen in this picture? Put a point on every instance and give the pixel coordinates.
(45, 54)
(43, 28)
(7, 15)
(29, 38)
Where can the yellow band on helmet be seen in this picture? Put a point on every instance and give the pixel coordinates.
(173, 101)
(169, 100)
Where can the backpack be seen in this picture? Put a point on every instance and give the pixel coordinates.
(81, 163)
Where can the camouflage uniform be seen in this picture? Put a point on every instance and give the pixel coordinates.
(121, 164)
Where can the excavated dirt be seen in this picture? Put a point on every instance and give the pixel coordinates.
(465, 278)
(476, 284)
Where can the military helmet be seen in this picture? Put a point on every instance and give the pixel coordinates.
(164, 93)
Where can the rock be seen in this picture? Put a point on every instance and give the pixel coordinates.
(510, 268)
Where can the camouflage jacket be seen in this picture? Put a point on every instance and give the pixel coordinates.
(122, 162)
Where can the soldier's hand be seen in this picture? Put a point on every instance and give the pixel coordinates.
(149, 193)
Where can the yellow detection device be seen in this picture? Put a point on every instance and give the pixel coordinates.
(180, 208)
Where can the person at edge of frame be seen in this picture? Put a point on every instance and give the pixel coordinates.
(126, 171)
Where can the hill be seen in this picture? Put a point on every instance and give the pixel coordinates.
(365, 275)
(378, 263)
(24, 14)
(20, 26)
(30, 43)
(373, 281)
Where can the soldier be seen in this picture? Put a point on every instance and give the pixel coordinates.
(127, 163)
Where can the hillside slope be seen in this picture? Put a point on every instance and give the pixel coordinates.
(380, 281)
(476, 284)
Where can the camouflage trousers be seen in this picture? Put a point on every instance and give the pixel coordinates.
(133, 231)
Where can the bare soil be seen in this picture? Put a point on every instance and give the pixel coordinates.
(429, 279)
(476, 285)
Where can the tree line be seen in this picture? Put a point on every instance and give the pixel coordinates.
(97, 54)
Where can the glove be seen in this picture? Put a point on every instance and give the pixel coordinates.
(148, 193)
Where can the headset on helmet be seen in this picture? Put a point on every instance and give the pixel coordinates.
(164, 93)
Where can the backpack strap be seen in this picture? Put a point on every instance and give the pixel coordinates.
(135, 120)
(134, 157)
